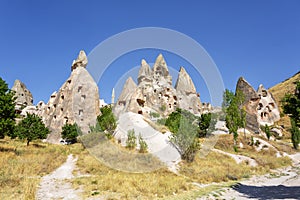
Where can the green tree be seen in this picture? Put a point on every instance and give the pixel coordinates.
(131, 139)
(207, 123)
(291, 106)
(235, 114)
(32, 128)
(7, 110)
(106, 121)
(70, 132)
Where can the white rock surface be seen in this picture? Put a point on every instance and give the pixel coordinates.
(158, 143)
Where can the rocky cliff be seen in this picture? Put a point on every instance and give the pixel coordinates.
(155, 93)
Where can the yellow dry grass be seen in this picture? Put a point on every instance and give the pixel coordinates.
(114, 184)
(266, 159)
(279, 91)
(21, 166)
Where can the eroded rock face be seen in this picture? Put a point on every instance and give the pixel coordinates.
(76, 101)
(155, 93)
(267, 110)
(23, 95)
(261, 108)
(250, 104)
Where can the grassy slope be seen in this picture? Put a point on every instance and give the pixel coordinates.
(278, 91)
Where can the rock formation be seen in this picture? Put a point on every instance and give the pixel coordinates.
(267, 110)
(155, 93)
(260, 106)
(251, 100)
(77, 101)
(23, 96)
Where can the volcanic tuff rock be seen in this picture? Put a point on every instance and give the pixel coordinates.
(155, 93)
(250, 103)
(260, 106)
(23, 95)
(267, 111)
(76, 101)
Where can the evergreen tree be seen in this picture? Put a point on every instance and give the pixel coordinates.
(32, 128)
(7, 110)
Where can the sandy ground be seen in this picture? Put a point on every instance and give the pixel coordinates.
(56, 185)
(280, 184)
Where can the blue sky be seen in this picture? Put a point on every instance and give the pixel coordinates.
(259, 40)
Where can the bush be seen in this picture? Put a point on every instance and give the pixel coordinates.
(143, 145)
(131, 139)
(70, 132)
(154, 115)
(267, 131)
(295, 134)
(186, 140)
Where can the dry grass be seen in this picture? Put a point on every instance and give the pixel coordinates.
(278, 91)
(21, 167)
(114, 184)
(215, 168)
(266, 159)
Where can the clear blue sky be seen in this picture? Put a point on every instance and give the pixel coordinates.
(259, 40)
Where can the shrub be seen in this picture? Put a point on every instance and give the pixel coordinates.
(70, 132)
(131, 139)
(143, 145)
(154, 115)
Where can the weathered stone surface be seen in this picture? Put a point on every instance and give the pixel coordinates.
(77, 101)
(188, 98)
(184, 83)
(81, 61)
(267, 110)
(250, 104)
(145, 72)
(261, 108)
(23, 95)
(155, 93)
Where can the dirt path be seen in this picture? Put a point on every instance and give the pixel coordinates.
(56, 185)
(280, 184)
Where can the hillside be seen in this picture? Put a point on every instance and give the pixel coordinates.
(278, 91)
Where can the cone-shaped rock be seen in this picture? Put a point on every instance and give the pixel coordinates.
(160, 69)
(23, 95)
(145, 72)
(77, 101)
(251, 100)
(125, 102)
(184, 82)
